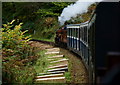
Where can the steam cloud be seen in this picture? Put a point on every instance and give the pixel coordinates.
(73, 10)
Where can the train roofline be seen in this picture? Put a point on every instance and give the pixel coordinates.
(78, 24)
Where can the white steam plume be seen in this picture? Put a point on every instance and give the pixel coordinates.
(73, 10)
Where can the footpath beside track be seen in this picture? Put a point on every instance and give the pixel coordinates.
(60, 61)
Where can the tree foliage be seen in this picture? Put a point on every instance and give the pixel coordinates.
(26, 11)
(39, 18)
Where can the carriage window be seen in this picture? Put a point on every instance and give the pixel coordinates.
(82, 33)
(85, 34)
(79, 32)
(72, 30)
(89, 34)
(76, 32)
(70, 37)
(69, 32)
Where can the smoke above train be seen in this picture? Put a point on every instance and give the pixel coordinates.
(79, 7)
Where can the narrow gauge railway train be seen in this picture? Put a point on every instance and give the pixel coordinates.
(97, 42)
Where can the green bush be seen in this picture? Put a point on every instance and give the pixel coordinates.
(18, 55)
(12, 37)
(13, 40)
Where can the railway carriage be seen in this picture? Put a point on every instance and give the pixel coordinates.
(81, 41)
(77, 36)
(97, 43)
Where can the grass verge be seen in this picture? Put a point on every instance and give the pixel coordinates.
(42, 63)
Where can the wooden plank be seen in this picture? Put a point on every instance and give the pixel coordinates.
(59, 61)
(59, 66)
(57, 72)
(53, 49)
(59, 69)
(55, 78)
(50, 75)
(52, 52)
(51, 72)
(57, 56)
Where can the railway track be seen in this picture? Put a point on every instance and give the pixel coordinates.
(46, 42)
(60, 62)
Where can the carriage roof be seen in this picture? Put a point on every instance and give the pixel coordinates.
(77, 25)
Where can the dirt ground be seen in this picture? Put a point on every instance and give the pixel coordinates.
(39, 45)
(78, 71)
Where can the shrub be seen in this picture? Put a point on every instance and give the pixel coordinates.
(18, 56)
(14, 40)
